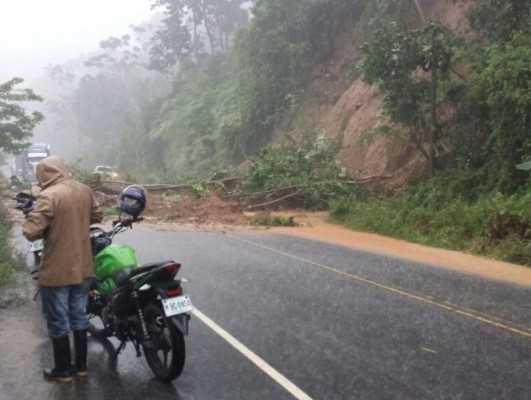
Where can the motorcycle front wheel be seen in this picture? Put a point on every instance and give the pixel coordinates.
(165, 352)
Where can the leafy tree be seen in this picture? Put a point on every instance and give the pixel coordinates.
(16, 124)
(395, 61)
(497, 20)
(378, 14)
(297, 174)
(187, 22)
(504, 86)
(229, 17)
(172, 43)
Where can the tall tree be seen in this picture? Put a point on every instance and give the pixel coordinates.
(394, 61)
(498, 20)
(172, 43)
(193, 27)
(16, 124)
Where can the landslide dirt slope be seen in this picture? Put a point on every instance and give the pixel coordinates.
(348, 110)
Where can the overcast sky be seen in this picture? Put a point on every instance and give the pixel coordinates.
(36, 33)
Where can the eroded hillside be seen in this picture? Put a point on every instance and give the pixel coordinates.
(348, 110)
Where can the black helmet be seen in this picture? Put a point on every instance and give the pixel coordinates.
(132, 200)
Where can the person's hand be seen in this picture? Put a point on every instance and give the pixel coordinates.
(28, 208)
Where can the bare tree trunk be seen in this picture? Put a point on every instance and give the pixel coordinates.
(433, 126)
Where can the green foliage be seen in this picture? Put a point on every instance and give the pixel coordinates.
(498, 20)
(198, 190)
(275, 53)
(478, 118)
(111, 212)
(272, 220)
(490, 129)
(9, 262)
(16, 124)
(197, 129)
(506, 85)
(491, 224)
(173, 41)
(394, 61)
(304, 174)
(526, 166)
(378, 14)
(84, 176)
(180, 39)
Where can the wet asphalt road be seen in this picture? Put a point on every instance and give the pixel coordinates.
(335, 322)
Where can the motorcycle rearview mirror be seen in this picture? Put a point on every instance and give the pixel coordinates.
(23, 196)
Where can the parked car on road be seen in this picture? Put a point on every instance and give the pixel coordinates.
(106, 172)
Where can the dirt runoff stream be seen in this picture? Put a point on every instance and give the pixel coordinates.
(313, 226)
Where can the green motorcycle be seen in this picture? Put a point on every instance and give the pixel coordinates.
(143, 304)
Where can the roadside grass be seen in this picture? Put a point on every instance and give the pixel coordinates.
(271, 220)
(111, 212)
(10, 262)
(493, 225)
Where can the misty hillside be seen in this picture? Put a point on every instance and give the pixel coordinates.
(407, 118)
(399, 90)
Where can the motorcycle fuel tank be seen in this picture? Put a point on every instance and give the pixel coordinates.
(113, 259)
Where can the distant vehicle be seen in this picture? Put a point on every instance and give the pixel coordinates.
(106, 172)
(24, 165)
(36, 152)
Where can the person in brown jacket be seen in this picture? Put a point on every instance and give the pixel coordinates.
(62, 216)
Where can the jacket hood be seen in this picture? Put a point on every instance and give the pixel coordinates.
(50, 171)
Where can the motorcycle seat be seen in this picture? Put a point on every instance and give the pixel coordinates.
(147, 267)
(126, 274)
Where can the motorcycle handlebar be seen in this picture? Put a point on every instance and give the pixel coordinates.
(122, 224)
(126, 223)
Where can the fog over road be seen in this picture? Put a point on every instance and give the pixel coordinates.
(282, 317)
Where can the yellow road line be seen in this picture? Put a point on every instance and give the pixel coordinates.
(421, 298)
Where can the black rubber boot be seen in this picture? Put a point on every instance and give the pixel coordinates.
(80, 347)
(62, 358)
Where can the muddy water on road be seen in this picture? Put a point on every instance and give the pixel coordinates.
(313, 226)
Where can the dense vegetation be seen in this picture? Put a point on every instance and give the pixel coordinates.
(204, 85)
(196, 89)
(470, 110)
(16, 124)
(9, 261)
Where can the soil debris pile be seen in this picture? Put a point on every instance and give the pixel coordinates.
(210, 208)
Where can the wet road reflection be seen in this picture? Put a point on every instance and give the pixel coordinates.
(213, 369)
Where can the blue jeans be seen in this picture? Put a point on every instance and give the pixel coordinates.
(65, 308)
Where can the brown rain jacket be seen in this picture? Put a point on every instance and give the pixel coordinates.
(62, 216)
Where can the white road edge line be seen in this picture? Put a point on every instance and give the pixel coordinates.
(255, 359)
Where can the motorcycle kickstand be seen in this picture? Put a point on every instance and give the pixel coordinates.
(137, 348)
(114, 357)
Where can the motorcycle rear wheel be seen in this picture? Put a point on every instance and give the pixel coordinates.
(165, 354)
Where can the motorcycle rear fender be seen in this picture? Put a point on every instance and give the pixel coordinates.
(180, 321)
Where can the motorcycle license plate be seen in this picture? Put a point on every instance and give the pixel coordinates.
(37, 245)
(176, 305)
